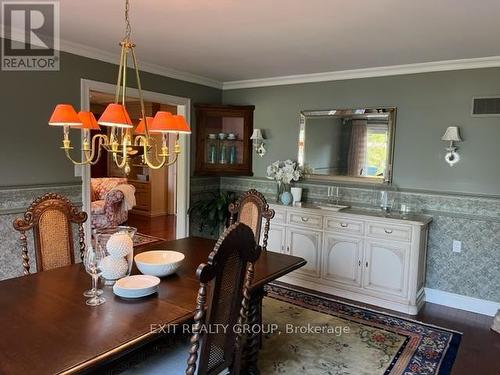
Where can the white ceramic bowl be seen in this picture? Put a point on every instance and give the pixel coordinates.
(159, 262)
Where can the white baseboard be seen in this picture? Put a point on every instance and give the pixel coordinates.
(457, 301)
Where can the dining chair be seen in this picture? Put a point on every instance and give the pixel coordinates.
(223, 301)
(50, 216)
(250, 209)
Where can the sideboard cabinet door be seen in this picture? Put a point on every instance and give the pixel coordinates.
(305, 243)
(276, 238)
(342, 256)
(386, 267)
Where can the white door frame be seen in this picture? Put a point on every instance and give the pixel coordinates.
(183, 162)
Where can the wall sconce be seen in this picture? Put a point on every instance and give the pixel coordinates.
(258, 142)
(451, 135)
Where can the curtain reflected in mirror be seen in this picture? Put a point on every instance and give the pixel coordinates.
(356, 153)
(353, 143)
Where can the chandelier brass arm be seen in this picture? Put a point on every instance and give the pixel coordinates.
(164, 154)
(98, 141)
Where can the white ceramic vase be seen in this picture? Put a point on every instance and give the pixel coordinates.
(296, 194)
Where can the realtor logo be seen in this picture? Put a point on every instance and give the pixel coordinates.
(30, 32)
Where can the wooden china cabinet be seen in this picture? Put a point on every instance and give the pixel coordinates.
(223, 145)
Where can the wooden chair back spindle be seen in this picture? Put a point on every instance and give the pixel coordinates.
(225, 293)
(50, 216)
(250, 209)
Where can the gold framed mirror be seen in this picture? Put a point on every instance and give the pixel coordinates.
(354, 145)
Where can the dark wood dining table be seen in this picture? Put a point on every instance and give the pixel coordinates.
(46, 327)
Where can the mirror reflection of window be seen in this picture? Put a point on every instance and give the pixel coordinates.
(376, 155)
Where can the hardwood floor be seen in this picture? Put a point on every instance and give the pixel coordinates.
(479, 350)
(158, 226)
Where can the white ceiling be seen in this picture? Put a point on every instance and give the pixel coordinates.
(231, 40)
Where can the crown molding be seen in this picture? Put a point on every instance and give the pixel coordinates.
(383, 71)
(98, 54)
(101, 55)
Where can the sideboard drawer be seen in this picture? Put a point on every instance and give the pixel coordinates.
(338, 224)
(305, 219)
(389, 231)
(279, 217)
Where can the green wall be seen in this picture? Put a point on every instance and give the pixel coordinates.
(30, 151)
(427, 103)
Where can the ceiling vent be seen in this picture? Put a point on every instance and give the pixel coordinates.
(486, 106)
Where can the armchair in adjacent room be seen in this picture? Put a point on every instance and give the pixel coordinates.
(111, 199)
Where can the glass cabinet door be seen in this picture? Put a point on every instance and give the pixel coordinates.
(223, 140)
(223, 144)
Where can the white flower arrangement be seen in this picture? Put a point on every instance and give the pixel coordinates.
(284, 171)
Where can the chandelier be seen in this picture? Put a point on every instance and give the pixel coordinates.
(120, 142)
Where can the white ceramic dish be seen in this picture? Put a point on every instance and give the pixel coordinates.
(159, 262)
(136, 286)
(134, 294)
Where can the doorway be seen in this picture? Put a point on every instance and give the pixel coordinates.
(161, 195)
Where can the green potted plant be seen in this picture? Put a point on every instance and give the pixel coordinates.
(213, 212)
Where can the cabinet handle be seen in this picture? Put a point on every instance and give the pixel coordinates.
(288, 249)
(359, 263)
(304, 219)
(366, 264)
(344, 225)
(388, 231)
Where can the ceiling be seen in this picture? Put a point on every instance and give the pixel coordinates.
(232, 40)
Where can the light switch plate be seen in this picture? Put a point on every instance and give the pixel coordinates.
(457, 246)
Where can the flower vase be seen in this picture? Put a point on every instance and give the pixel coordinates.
(279, 190)
(286, 197)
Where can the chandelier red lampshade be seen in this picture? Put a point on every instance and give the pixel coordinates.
(165, 122)
(115, 115)
(141, 128)
(88, 120)
(162, 122)
(65, 115)
(180, 125)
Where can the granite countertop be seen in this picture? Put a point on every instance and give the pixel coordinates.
(413, 218)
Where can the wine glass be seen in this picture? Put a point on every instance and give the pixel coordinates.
(93, 263)
(87, 259)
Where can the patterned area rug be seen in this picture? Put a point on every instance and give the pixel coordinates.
(323, 336)
(144, 239)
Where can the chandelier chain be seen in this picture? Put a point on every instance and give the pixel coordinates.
(128, 28)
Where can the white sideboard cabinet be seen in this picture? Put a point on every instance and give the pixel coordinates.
(356, 254)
